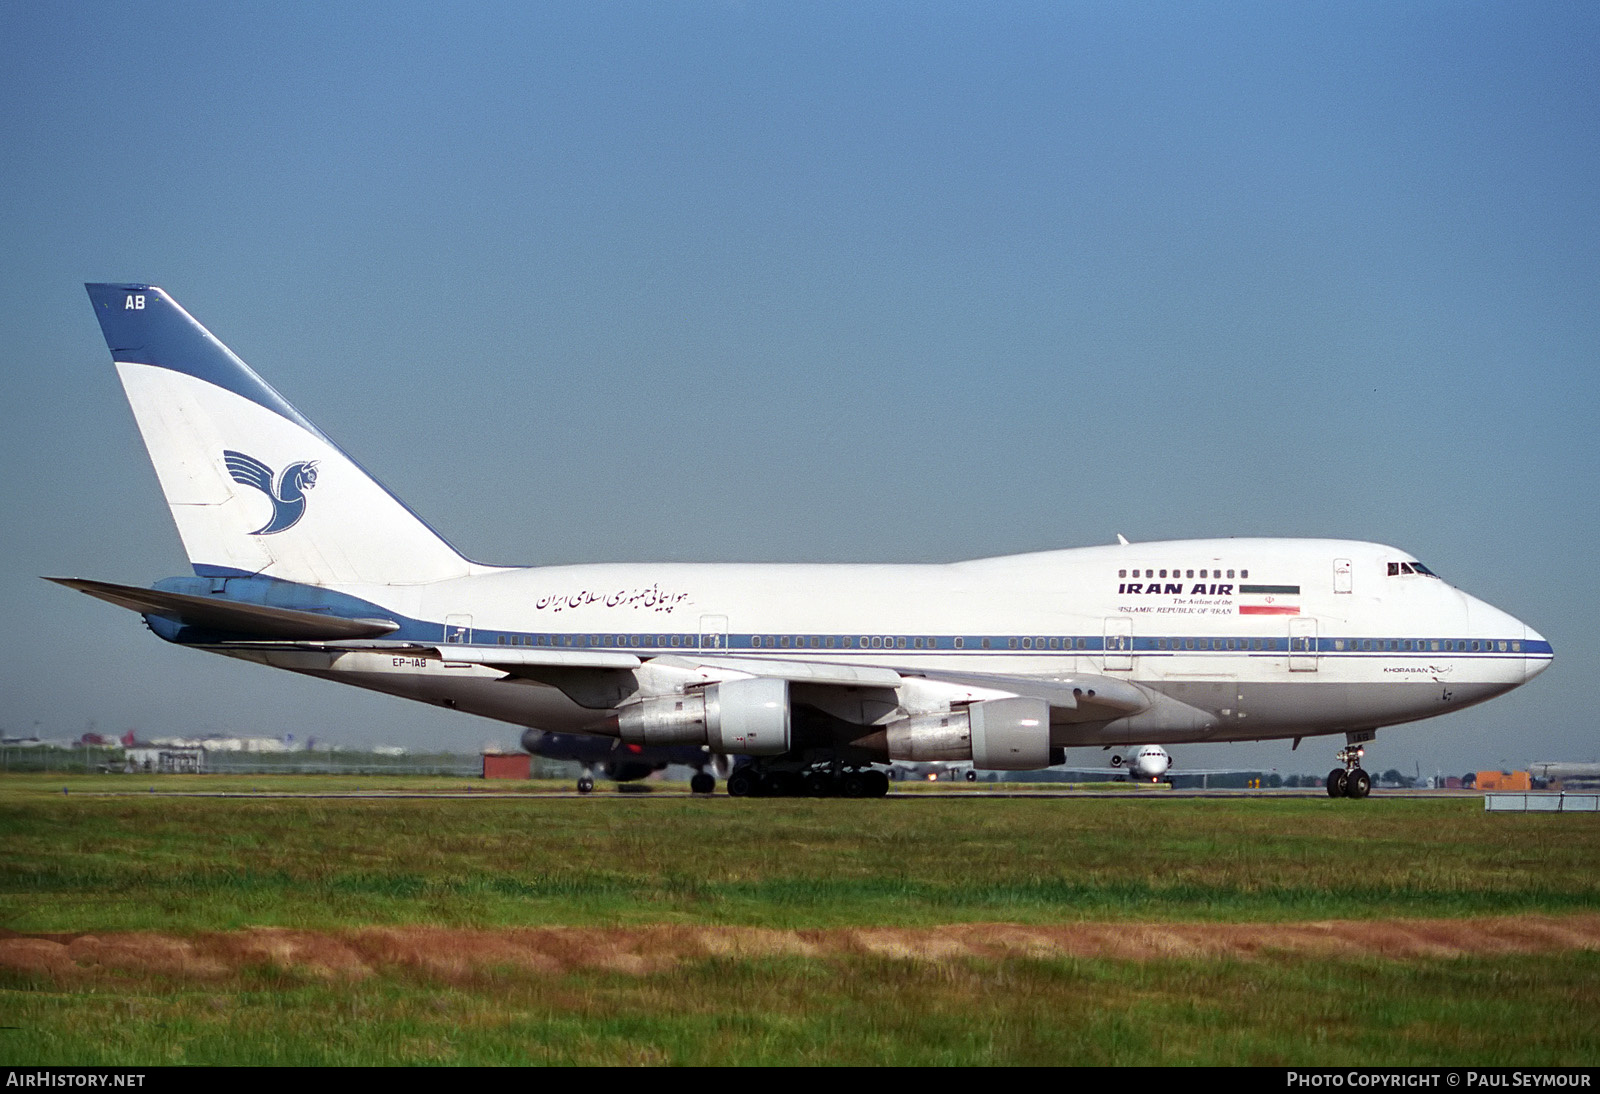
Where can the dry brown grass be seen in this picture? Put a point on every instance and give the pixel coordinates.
(458, 954)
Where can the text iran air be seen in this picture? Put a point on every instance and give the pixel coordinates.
(1171, 588)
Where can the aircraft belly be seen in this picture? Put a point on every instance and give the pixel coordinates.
(468, 688)
(1222, 708)
(1307, 708)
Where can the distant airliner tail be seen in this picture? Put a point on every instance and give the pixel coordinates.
(254, 487)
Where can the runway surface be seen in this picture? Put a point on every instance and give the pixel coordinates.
(929, 793)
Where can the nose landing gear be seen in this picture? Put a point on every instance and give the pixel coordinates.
(1349, 781)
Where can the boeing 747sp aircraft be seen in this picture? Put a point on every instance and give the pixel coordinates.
(815, 672)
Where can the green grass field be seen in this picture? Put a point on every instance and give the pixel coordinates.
(80, 863)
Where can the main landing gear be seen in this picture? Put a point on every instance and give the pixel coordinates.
(1349, 781)
(823, 781)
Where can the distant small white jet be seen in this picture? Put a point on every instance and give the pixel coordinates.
(1148, 763)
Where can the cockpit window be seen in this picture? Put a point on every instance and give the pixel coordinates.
(1398, 568)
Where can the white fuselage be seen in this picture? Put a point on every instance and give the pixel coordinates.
(1279, 638)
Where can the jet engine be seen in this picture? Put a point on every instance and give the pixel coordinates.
(736, 717)
(998, 734)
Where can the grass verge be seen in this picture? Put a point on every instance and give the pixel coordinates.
(77, 863)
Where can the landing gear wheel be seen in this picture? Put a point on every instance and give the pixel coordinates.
(701, 783)
(818, 784)
(784, 784)
(1358, 784)
(854, 785)
(1352, 782)
(743, 783)
(972, 776)
(586, 785)
(877, 784)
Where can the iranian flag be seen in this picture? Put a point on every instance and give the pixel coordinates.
(1269, 600)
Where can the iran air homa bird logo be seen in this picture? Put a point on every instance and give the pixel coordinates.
(289, 494)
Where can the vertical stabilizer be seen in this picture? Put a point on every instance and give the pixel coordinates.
(254, 487)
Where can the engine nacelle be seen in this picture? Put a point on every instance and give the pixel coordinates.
(998, 734)
(735, 717)
(1010, 734)
(930, 738)
(672, 720)
(748, 717)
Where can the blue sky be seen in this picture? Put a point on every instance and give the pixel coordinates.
(822, 282)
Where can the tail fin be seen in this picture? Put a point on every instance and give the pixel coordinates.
(254, 487)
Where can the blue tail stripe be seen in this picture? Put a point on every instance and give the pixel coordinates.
(144, 326)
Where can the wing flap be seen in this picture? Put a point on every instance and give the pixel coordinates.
(1086, 696)
(800, 672)
(510, 659)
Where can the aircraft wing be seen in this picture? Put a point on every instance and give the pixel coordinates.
(798, 672)
(1080, 697)
(527, 661)
(1090, 695)
(514, 660)
(1077, 697)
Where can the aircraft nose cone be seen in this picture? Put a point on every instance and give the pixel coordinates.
(1537, 653)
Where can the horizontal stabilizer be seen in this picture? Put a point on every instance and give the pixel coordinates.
(230, 617)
